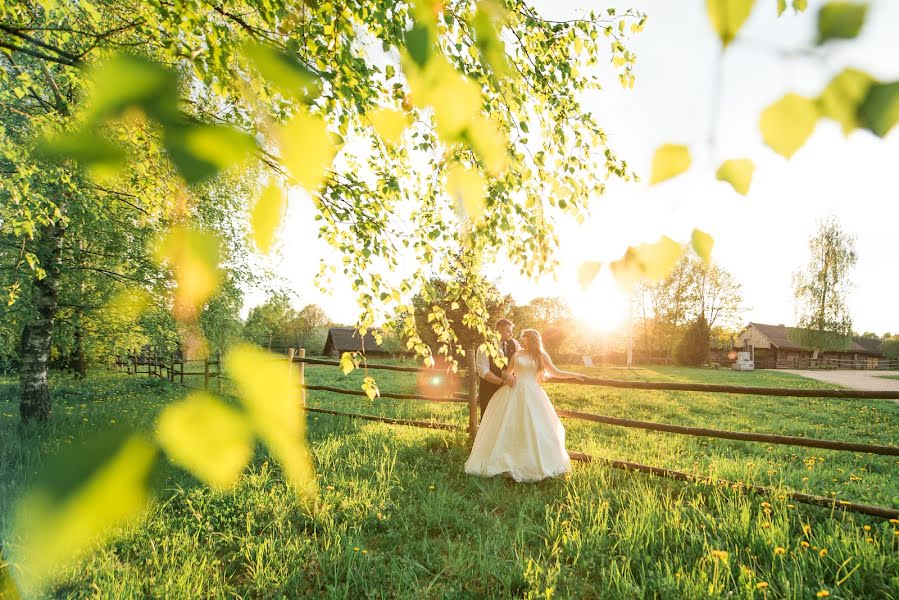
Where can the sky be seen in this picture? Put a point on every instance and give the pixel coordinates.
(761, 238)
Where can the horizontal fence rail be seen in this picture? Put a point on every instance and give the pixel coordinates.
(665, 385)
(334, 363)
(731, 389)
(389, 420)
(745, 436)
(832, 503)
(335, 390)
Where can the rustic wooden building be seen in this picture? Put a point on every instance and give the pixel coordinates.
(347, 339)
(775, 346)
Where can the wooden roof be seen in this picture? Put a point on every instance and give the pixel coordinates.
(782, 337)
(347, 339)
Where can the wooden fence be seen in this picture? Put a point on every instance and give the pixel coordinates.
(297, 359)
(170, 367)
(862, 364)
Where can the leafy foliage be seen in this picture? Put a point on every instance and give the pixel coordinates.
(693, 348)
(822, 286)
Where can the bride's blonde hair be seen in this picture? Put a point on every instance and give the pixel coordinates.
(535, 351)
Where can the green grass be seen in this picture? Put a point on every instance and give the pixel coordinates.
(424, 529)
(888, 376)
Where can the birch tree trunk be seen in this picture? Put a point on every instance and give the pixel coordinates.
(35, 392)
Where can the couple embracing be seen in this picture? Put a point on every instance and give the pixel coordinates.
(520, 433)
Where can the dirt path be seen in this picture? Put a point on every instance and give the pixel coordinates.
(858, 380)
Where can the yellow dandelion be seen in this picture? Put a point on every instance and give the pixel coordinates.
(431, 487)
(780, 551)
(806, 529)
(894, 521)
(791, 506)
(355, 548)
(867, 528)
(823, 594)
(822, 552)
(330, 488)
(719, 554)
(766, 525)
(761, 585)
(365, 552)
(804, 544)
(870, 540)
(766, 505)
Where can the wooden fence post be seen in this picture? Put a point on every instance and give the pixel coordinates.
(290, 354)
(205, 373)
(472, 376)
(172, 367)
(302, 369)
(218, 371)
(181, 371)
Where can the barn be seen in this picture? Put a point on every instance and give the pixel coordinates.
(774, 346)
(347, 339)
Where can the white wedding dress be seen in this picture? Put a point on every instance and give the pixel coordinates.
(520, 433)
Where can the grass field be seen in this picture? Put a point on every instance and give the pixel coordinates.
(889, 376)
(397, 518)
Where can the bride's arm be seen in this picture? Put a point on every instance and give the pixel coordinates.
(553, 371)
(509, 374)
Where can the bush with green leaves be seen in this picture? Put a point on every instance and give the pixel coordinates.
(693, 349)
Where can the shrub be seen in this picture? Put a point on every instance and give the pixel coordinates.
(693, 348)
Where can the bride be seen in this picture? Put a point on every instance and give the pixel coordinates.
(520, 433)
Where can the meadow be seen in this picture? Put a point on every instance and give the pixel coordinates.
(397, 518)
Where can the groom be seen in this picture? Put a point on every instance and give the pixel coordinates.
(491, 377)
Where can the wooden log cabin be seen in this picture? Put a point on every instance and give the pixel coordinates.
(775, 347)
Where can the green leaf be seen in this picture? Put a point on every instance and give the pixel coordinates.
(202, 151)
(787, 124)
(289, 75)
(266, 216)
(669, 161)
(728, 16)
(271, 398)
(489, 141)
(307, 149)
(842, 97)
(370, 387)
(488, 39)
(126, 80)
(389, 124)
(702, 245)
(879, 111)
(419, 43)
(77, 502)
(456, 98)
(781, 7)
(194, 257)
(346, 363)
(587, 273)
(651, 262)
(91, 150)
(738, 173)
(207, 438)
(468, 188)
(840, 20)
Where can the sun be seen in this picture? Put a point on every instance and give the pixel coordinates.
(601, 307)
